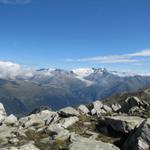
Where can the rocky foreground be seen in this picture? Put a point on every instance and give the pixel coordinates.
(93, 127)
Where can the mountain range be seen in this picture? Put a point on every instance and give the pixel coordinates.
(57, 88)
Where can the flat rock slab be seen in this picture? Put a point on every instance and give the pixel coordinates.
(123, 124)
(81, 143)
(68, 112)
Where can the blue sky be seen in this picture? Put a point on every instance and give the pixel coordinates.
(76, 33)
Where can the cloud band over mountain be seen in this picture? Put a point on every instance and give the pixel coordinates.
(9, 70)
(124, 58)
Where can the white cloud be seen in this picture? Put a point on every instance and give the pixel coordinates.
(124, 58)
(142, 53)
(15, 1)
(9, 70)
(107, 59)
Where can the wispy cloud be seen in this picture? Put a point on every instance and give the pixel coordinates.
(15, 1)
(141, 53)
(124, 58)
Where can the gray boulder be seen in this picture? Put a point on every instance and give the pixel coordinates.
(6, 133)
(11, 120)
(55, 128)
(49, 117)
(107, 108)
(97, 105)
(83, 109)
(2, 113)
(98, 113)
(62, 135)
(14, 141)
(2, 110)
(140, 138)
(2, 118)
(45, 117)
(67, 122)
(58, 132)
(115, 107)
(133, 101)
(68, 111)
(97, 108)
(123, 124)
(32, 121)
(136, 110)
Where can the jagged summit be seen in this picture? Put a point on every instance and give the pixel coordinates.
(57, 88)
(14, 71)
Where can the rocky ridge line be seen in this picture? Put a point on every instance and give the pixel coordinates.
(93, 127)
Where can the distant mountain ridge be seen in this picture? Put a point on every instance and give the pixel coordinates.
(80, 72)
(57, 88)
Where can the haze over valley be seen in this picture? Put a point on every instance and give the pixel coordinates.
(23, 89)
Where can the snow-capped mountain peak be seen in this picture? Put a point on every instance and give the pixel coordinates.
(9, 70)
(45, 72)
(83, 72)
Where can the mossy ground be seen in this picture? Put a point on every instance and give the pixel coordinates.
(50, 145)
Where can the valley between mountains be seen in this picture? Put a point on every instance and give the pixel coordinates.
(88, 108)
(26, 90)
(120, 122)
